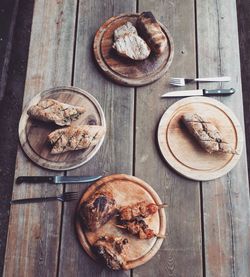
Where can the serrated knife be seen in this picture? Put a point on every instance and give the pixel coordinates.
(199, 92)
(57, 179)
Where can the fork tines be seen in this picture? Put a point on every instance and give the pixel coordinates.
(177, 81)
(69, 196)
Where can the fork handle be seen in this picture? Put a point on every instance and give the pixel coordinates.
(33, 200)
(214, 79)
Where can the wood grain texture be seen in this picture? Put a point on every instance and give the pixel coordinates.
(33, 134)
(225, 200)
(34, 230)
(123, 70)
(190, 160)
(116, 154)
(180, 253)
(126, 190)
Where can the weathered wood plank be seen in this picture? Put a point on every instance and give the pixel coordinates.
(34, 230)
(180, 254)
(225, 200)
(116, 154)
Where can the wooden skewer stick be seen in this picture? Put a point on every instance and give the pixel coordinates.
(160, 236)
(163, 205)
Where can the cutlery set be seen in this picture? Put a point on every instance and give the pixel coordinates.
(181, 82)
(65, 197)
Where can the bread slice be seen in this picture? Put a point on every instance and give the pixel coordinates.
(126, 29)
(75, 138)
(50, 110)
(151, 31)
(206, 134)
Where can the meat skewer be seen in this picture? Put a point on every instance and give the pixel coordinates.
(139, 228)
(140, 209)
(112, 251)
(97, 210)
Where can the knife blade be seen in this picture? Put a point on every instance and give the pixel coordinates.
(57, 179)
(199, 92)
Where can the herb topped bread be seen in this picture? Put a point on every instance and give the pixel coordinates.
(50, 110)
(75, 138)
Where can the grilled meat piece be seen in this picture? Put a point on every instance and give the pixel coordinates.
(206, 134)
(50, 110)
(151, 31)
(132, 46)
(126, 29)
(75, 138)
(98, 209)
(137, 227)
(140, 209)
(112, 251)
(128, 44)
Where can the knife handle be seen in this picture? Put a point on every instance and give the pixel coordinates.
(218, 91)
(34, 179)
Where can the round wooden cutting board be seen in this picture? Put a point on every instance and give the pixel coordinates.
(123, 70)
(126, 190)
(182, 151)
(33, 133)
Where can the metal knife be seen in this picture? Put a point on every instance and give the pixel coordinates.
(57, 179)
(199, 92)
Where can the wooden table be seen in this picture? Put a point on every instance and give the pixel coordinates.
(208, 226)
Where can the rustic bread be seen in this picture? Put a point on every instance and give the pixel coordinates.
(206, 134)
(50, 110)
(151, 31)
(75, 138)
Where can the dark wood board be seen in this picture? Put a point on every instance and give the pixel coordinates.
(226, 203)
(126, 190)
(116, 154)
(125, 71)
(34, 230)
(181, 150)
(33, 134)
(181, 253)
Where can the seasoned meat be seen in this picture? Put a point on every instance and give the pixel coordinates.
(126, 29)
(151, 31)
(206, 134)
(98, 209)
(75, 138)
(132, 46)
(128, 44)
(138, 228)
(50, 110)
(140, 209)
(112, 251)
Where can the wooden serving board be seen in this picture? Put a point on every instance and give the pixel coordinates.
(182, 151)
(126, 190)
(33, 133)
(123, 70)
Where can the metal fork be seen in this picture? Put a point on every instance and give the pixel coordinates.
(65, 197)
(180, 82)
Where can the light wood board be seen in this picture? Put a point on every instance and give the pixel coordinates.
(33, 134)
(184, 153)
(126, 190)
(123, 70)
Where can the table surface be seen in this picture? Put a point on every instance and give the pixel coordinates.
(208, 225)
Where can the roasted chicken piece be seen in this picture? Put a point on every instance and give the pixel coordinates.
(206, 134)
(50, 110)
(112, 251)
(98, 209)
(75, 138)
(140, 209)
